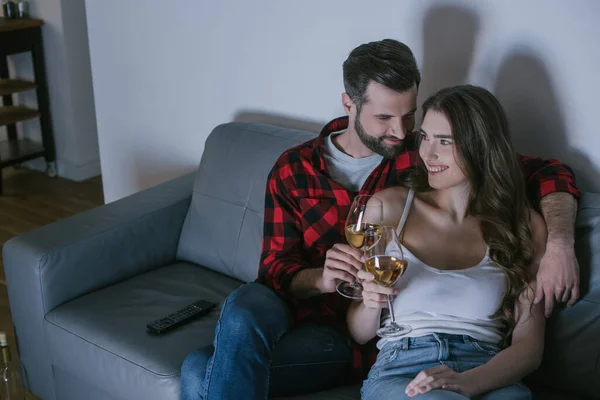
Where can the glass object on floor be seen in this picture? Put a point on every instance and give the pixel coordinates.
(11, 384)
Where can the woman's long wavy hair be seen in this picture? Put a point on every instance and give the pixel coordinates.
(484, 151)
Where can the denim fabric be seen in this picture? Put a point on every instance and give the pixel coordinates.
(400, 361)
(255, 355)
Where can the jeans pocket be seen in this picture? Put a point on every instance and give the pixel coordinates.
(486, 348)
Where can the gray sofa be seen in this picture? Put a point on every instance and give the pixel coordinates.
(82, 289)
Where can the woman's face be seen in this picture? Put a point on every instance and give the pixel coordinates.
(438, 152)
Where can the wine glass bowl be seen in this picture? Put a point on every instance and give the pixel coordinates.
(386, 269)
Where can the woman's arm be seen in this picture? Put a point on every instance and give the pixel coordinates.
(524, 355)
(363, 322)
(364, 318)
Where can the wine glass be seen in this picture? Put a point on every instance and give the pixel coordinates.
(385, 259)
(362, 225)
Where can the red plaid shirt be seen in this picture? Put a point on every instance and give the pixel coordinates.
(305, 212)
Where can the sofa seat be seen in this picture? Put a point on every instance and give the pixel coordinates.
(101, 337)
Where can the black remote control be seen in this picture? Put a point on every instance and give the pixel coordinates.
(180, 316)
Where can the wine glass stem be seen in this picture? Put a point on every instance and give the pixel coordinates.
(391, 308)
(364, 251)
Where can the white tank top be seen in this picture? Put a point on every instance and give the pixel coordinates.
(462, 302)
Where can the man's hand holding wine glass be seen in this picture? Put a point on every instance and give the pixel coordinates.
(361, 229)
(342, 262)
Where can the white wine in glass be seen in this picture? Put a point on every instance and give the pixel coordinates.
(362, 231)
(385, 260)
(387, 269)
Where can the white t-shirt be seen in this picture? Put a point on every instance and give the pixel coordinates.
(346, 170)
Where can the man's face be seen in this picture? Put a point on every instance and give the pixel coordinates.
(385, 119)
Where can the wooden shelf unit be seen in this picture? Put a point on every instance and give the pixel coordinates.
(11, 86)
(12, 114)
(20, 36)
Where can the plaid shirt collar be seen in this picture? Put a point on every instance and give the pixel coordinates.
(318, 159)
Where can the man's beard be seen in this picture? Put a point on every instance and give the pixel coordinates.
(377, 145)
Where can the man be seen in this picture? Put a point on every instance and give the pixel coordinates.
(287, 334)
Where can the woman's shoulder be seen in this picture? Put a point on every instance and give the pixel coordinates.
(392, 195)
(393, 200)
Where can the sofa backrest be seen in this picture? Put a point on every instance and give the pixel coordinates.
(223, 228)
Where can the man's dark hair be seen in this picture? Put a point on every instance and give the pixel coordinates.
(387, 62)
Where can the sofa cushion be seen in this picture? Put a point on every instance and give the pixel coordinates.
(101, 338)
(223, 227)
(572, 351)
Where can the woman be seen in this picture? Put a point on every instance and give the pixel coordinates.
(473, 249)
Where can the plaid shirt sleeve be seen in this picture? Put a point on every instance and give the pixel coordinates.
(543, 177)
(281, 256)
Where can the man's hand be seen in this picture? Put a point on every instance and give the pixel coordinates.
(558, 275)
(440, 377)
(342, 262)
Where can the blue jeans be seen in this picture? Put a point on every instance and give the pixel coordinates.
(400, 361)
(254, 356)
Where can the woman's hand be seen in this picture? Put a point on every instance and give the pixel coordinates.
(441, 377)
(374, 294)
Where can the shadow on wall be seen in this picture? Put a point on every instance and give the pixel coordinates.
(524, 88)
(278, 120)
(449, 35)
(146, 174)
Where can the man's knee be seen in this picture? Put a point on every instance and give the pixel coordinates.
(254, 307)
(193, 372)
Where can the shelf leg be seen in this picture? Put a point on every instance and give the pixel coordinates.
(39, 68)
(7, 100)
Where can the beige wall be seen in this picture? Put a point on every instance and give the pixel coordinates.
(164, 78)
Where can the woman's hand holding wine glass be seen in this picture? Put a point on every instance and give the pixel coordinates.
(385, 264)
(375, 295)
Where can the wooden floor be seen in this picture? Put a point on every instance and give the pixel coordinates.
(33, 199)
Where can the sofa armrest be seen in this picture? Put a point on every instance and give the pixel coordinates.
(53, 264)
(99, 247)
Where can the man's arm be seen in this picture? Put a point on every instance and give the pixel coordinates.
(551, 188)
(560, 211)
(558, 278)
(282, 266)
(546, 176)
(281, 257)
(307, 283)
